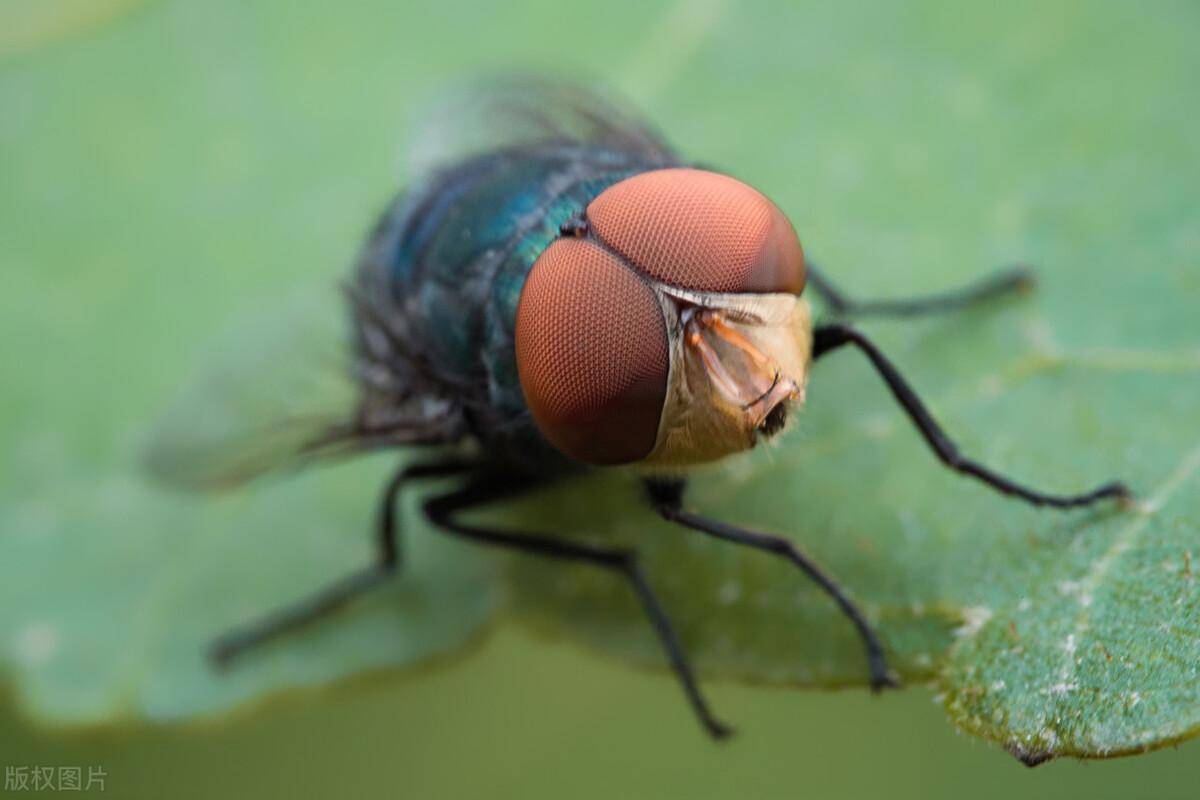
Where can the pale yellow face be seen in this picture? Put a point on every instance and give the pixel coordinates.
(737, 363)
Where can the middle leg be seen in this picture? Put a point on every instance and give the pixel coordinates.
(666, 496)
(487, 487)
(999, 283)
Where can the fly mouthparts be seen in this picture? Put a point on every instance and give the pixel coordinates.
(775, 420)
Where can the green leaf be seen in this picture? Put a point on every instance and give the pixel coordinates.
(1053, 633)
(124, 586)
(175, 166)
(1099, 656)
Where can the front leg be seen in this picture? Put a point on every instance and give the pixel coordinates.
(666, 497)
(827, 338)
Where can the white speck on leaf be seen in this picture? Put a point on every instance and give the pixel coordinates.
(877, 426)
(730, 592)
(991, 386)
(1050, 736)
(36, 643)
(1066, 588)
(974, 618)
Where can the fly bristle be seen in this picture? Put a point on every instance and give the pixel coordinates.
(575, 227)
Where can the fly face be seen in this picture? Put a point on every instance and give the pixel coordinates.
(669, 329)
(740, 362)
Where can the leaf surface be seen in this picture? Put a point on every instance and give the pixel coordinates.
(179, 165)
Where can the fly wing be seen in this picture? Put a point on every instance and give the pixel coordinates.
(299, 384)
(281, 389)
(520, 111)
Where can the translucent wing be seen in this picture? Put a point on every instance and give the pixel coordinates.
(280, 390)
(528, 110)
(300, 383)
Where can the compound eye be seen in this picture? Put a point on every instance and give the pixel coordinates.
(700, 230)
(592, 354)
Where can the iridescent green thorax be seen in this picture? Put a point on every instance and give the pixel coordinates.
(458, 249)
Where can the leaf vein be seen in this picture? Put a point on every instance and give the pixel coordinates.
(1095, 576)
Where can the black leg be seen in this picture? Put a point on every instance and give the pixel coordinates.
(442, 511)
(827, 338)
(237, 642)
(666, 496)
(999, 283)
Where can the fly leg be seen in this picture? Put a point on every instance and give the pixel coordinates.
(997, 284)
(239, 641)
(486, 488)
(666, 496)
(827, 338)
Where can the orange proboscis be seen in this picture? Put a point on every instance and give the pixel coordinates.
(758, 386)
(716, 321)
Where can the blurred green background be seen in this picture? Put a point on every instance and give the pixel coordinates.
(166, 166)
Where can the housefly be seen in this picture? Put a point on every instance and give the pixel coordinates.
(563, 291)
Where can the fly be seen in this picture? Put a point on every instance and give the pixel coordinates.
(561, 289)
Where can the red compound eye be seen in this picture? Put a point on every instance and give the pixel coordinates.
(700, 230)
(592, 354)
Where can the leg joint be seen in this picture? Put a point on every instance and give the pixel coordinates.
(665, 494)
